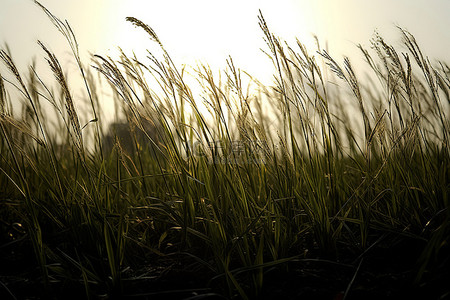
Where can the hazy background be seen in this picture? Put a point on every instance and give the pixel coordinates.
(211, 30)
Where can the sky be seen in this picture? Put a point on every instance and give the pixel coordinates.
(209, 31)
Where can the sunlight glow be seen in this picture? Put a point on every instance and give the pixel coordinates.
(209, 32)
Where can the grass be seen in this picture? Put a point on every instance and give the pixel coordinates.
(326, 185)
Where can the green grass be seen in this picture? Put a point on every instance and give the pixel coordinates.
(324, 183)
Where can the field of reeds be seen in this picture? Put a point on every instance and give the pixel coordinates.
(326, 185)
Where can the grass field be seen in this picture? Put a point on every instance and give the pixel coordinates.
(327, 185)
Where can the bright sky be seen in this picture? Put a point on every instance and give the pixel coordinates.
(211, 30)
(194, 31)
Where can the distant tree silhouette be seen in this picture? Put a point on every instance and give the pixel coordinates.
(130, 136)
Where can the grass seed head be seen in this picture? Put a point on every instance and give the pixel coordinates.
(148, 29)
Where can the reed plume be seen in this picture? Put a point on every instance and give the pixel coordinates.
(70, 108)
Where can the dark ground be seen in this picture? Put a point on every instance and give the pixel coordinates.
(386, 272)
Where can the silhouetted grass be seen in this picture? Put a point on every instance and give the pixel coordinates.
(324, 185)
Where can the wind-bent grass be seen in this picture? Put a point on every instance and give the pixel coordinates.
(344, 169)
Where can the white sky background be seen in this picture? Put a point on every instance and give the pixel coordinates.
(209, 30)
